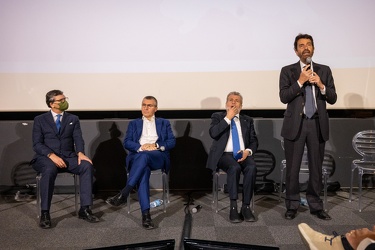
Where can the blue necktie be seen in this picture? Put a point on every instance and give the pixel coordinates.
(310, 105)
(235, 140)
(58, 123)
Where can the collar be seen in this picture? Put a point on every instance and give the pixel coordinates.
(55, 114)
(302, 65)
(151, 120)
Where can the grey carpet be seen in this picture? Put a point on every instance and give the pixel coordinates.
(19, 224)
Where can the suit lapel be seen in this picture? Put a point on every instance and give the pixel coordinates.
(317, 70)
(139, 128)
(296, 70)
(158, 126)
(64, 122)
(243, 126)
(50, 120)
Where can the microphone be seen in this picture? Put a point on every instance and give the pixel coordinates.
(196, 209)
(308, 61)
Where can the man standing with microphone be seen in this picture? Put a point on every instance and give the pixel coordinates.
(305, 87)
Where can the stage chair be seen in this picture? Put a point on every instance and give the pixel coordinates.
(265, 163)
(364, 144)
(165, 183)
(215, 190)
(328, 169)
(59, 175)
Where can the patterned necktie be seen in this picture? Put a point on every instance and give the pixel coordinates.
(235, 140)
(310, 105)
(58, 123)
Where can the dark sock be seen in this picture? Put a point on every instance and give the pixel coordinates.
(84, 207)
(345, 243)
(245, 205)
(146, 211)
(45, 211)
(233, 203)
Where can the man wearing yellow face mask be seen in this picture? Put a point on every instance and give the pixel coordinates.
(59, 147)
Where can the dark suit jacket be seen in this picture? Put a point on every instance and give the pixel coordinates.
(46, 138)
(166, 139)
(294, 96)
(220, 131)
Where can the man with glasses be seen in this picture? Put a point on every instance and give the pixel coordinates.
(59, 147)
(148, 140)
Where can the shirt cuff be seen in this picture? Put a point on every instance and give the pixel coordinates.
(227, 120)
(323, 92)
(250, 151)
(365, 243)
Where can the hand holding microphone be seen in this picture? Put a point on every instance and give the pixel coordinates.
(314, 78)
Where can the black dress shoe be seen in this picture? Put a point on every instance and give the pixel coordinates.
(45, 220)
(247, 214)
(86, 214)
(147, 221)
(116, 200)
(234, 216)
(290, 214)
(321, 214)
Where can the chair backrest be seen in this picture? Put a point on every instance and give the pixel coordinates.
(304, 162)
(23, 174)
(265, 162)
(364, 144)
(329, 165)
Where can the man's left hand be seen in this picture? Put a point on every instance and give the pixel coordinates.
(245, 154)
(83, 157)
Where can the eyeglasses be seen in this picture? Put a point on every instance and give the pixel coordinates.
(62, 99)
(144, 105)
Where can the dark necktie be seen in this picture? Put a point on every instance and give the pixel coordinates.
(58, 123)
(235, 140)
(310, 105)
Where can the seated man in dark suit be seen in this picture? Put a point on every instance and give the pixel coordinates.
(59, 147)
(148, 140)
(234, 143)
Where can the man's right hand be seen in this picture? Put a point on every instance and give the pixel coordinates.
(305, 75)
(57, 160)
(231, 112)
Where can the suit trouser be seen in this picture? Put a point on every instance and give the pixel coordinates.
(233, 169)
(139, 173)
(309, 135)
(49, 172)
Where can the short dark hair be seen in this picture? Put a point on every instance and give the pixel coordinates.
(50, 96)
(237, 94)
(150, 97)
(301, 36)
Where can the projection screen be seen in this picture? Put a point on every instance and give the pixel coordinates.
(109, 54)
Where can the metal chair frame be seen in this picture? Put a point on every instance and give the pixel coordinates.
(265, 163)
(328, 169)
(364, 144)
(59, 175)
(165, 183)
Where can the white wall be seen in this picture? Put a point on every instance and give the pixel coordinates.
(108, 54)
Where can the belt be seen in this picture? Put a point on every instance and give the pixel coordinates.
(315, 116)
